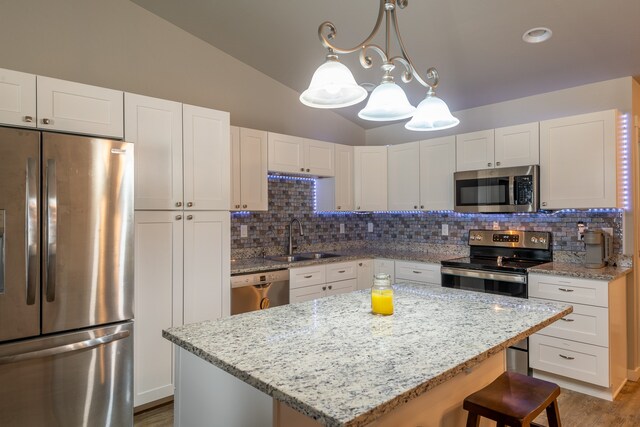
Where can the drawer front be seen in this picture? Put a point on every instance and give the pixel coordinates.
(584, 362)
(418, 272)
(306, 294)
(580, 291)
(341, 271)
(587, 324)
(386, 266)
(306, 276)
(343, 287)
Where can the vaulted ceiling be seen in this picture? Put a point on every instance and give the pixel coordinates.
(476, 45)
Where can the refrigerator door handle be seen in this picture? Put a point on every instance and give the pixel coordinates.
(32, 231)
(67, 348)
(52, 225)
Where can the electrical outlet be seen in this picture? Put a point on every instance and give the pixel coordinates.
(581, 229)
(370, 227)
(341, 228)
(496, 225)
(243, 231)
(445, 229)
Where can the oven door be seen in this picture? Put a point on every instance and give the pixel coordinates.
(493, 282)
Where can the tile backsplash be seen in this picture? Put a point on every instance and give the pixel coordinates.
(294, 198)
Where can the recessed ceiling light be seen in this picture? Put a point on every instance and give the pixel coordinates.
(537, 35)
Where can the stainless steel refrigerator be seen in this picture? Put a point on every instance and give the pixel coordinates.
(66, 280)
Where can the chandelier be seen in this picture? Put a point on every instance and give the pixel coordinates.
(333, 85)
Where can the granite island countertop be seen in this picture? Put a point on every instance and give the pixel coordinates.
(335, 362)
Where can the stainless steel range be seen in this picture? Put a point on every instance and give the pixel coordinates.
(497, 263)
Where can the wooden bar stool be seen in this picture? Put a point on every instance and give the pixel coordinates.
(514, 400)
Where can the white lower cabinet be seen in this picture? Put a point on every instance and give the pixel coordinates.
(418, 272)
(181, 276)
(586, 350)
(365, 273)
(318, 281)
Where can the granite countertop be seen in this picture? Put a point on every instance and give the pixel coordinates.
(334, 361)
(607, 273)
(254, 265)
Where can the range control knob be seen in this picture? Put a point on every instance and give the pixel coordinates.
(542, 240)
(534, 240)
(478, 237)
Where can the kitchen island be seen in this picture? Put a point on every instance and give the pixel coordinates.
(331, 362)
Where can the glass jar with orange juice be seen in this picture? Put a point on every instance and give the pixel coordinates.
(382, 295)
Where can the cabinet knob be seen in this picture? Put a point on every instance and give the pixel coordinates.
(244, 206)
(178, 217)
(237, 206)
(301, 169)
(339, 207)
(308, 170)
(47, 121)
(421, 206)
(358, 208)
(497, 163)
(324, 288)
(330, 287)
(544, 203)
(178, 204)
(189, 204)
(360, 264)
(415, 207)
(28, 119)
(489, 164)
(189, 217)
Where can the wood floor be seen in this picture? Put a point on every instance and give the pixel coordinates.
(576, 410)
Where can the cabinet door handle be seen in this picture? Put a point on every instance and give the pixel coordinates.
(544, 203)
(489, 164)
(178, 217)
(417, 272)
(566, 357)
(28, 119)
(244, 206)
(47, 121)
(324, 288)
(189, 204)
(178, 204)
(567, 320)
(342, 271)
(309, 276)
(497, 163)
(189, 217)
(330, 287)
(565, 290)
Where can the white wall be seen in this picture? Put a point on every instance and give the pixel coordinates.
(567, 102)
(117, 44)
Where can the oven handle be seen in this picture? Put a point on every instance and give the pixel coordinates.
(513, 278)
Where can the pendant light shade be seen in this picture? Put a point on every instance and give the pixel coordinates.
(432, 114)
(387, 102)
(332, 86)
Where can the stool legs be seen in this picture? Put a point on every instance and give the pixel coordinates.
(553, 415)
(473, 420)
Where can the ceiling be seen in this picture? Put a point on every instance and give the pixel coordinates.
(476, 45)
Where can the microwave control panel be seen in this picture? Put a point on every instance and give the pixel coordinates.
(523, 189)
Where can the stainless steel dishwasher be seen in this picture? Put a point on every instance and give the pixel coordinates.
(259, 291)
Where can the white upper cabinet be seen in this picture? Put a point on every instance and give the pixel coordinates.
(207, 158)
(370, 178)
(79, 108)
(155, 127)
(475, 150)
(517, 145)
(437, 165)
(498, 148)
(336, 194)
(17, 98)
(292, 154)
(404, 176)
(249, 186)
(578, 161)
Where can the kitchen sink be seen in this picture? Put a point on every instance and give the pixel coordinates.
(302, 257)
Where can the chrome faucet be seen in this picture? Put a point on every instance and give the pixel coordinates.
(291, 234)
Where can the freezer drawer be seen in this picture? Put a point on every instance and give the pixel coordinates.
(75, 379)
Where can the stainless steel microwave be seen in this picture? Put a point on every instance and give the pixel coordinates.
(497, 190)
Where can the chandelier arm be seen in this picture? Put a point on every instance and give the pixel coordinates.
(408, 74)
(365, 60)
(431, 75)
(332, 31)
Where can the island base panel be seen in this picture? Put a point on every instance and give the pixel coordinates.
(438, 407)
(208, 396)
